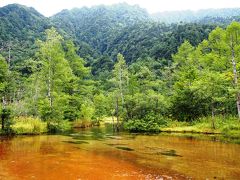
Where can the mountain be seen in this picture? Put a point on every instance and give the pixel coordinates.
(20, 26)
(195, 16)
(101, 32)
(130, 30)
(98, 24)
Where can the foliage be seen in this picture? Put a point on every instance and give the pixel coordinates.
(6, 120)
(229, 126)
(58, 126)
(82, 123)
(150, 123)
(131, 67)
(87, 112)
(28, 125)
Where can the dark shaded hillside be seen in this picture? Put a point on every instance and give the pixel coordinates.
(20, 26)
(155, 40)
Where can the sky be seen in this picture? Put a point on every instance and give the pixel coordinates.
(50, 7)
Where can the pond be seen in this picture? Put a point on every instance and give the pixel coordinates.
(100, 153)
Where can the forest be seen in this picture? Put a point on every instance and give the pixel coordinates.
(82, 66)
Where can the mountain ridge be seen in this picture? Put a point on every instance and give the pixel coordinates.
(191, 15)
(100, 33)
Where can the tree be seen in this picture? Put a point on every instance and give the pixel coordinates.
(3, 85)
(56, 74)
(212, 86)
(233, 41)
(120, 80)
(80, 87)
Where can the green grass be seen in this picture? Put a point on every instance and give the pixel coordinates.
(228, 126)
(28, 125)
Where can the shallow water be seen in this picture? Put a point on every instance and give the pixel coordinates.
(98, 153)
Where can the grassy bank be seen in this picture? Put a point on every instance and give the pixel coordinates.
(24, 125)
(227, 126)
(28, 125)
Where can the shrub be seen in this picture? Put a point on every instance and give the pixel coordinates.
(79, 123)
(87, 111)
(6, 117)
(150, 123)
(28, 125)
(55, 126)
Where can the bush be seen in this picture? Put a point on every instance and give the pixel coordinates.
(149, 123)
(6, 117)
(82, 123)
(87, 111)
(55, 126)
(28, 125)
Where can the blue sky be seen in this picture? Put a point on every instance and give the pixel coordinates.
(50, 7)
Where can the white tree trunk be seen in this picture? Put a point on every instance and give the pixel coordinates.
(235, 80)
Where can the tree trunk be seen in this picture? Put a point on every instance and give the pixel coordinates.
(235, 79)
(121, 86)
(238, 105)
(117, 114)
(49, 84)
(3, 111)
(213, 122)
(113, 120)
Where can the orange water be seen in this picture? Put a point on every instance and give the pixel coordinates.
(100, 154)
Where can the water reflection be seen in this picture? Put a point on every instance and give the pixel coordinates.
(99, 153)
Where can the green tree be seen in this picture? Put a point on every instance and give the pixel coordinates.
(233, 41)
(120, 81)
(4, 72)
(56, 75)
(212, 86)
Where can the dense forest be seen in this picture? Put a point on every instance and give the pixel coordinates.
(83, 65)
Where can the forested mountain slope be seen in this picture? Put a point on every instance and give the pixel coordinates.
(130, 30)
(194, 16)
(99, 24)
(20, 26)
(101, 32)
(86, 64)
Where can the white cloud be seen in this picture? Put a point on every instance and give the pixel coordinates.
(50, 7)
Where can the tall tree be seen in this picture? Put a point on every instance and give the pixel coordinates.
(56, 72)
(3, 85)
(121, 75)
(233, 41)
(120, 79)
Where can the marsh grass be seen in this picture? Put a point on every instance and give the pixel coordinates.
(28, 125)
(227, 125)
